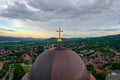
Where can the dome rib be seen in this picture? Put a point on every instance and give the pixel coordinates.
(59, 64)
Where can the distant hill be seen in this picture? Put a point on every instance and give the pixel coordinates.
(103, 39)
(17, 39)
(53, 39)
(112, 41)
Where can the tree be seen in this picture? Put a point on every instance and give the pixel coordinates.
(115, 66)
(18, 72)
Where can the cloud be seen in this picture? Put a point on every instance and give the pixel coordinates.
(8, 30)
(45, 10)
(45, 16)
(99, 30)
(17, 11)
(67, 35)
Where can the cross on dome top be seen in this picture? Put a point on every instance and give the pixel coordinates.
(59, 38)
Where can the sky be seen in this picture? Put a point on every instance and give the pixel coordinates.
(77, 18)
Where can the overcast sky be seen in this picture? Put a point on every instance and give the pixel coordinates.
(77, 18)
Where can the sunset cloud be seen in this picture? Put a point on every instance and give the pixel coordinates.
(78, 18)
(8, 30)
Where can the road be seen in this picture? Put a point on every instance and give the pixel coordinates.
(9, 73)
(4, 78)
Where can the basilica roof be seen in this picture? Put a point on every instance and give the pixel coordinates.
(59, 64)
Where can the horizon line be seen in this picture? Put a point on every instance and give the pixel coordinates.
(62, 37)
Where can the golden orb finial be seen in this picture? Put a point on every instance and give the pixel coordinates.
(59, 38)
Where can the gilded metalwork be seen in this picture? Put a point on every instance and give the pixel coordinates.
(59, 38)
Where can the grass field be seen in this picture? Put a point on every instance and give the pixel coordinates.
(16, 44)
(26, 68)
(11, 44)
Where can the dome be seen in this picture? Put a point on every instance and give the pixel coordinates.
(59, 64)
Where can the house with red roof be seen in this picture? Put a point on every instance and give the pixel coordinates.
(1, 65)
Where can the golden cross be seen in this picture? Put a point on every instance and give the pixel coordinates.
(59, 38)
(59, 31)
